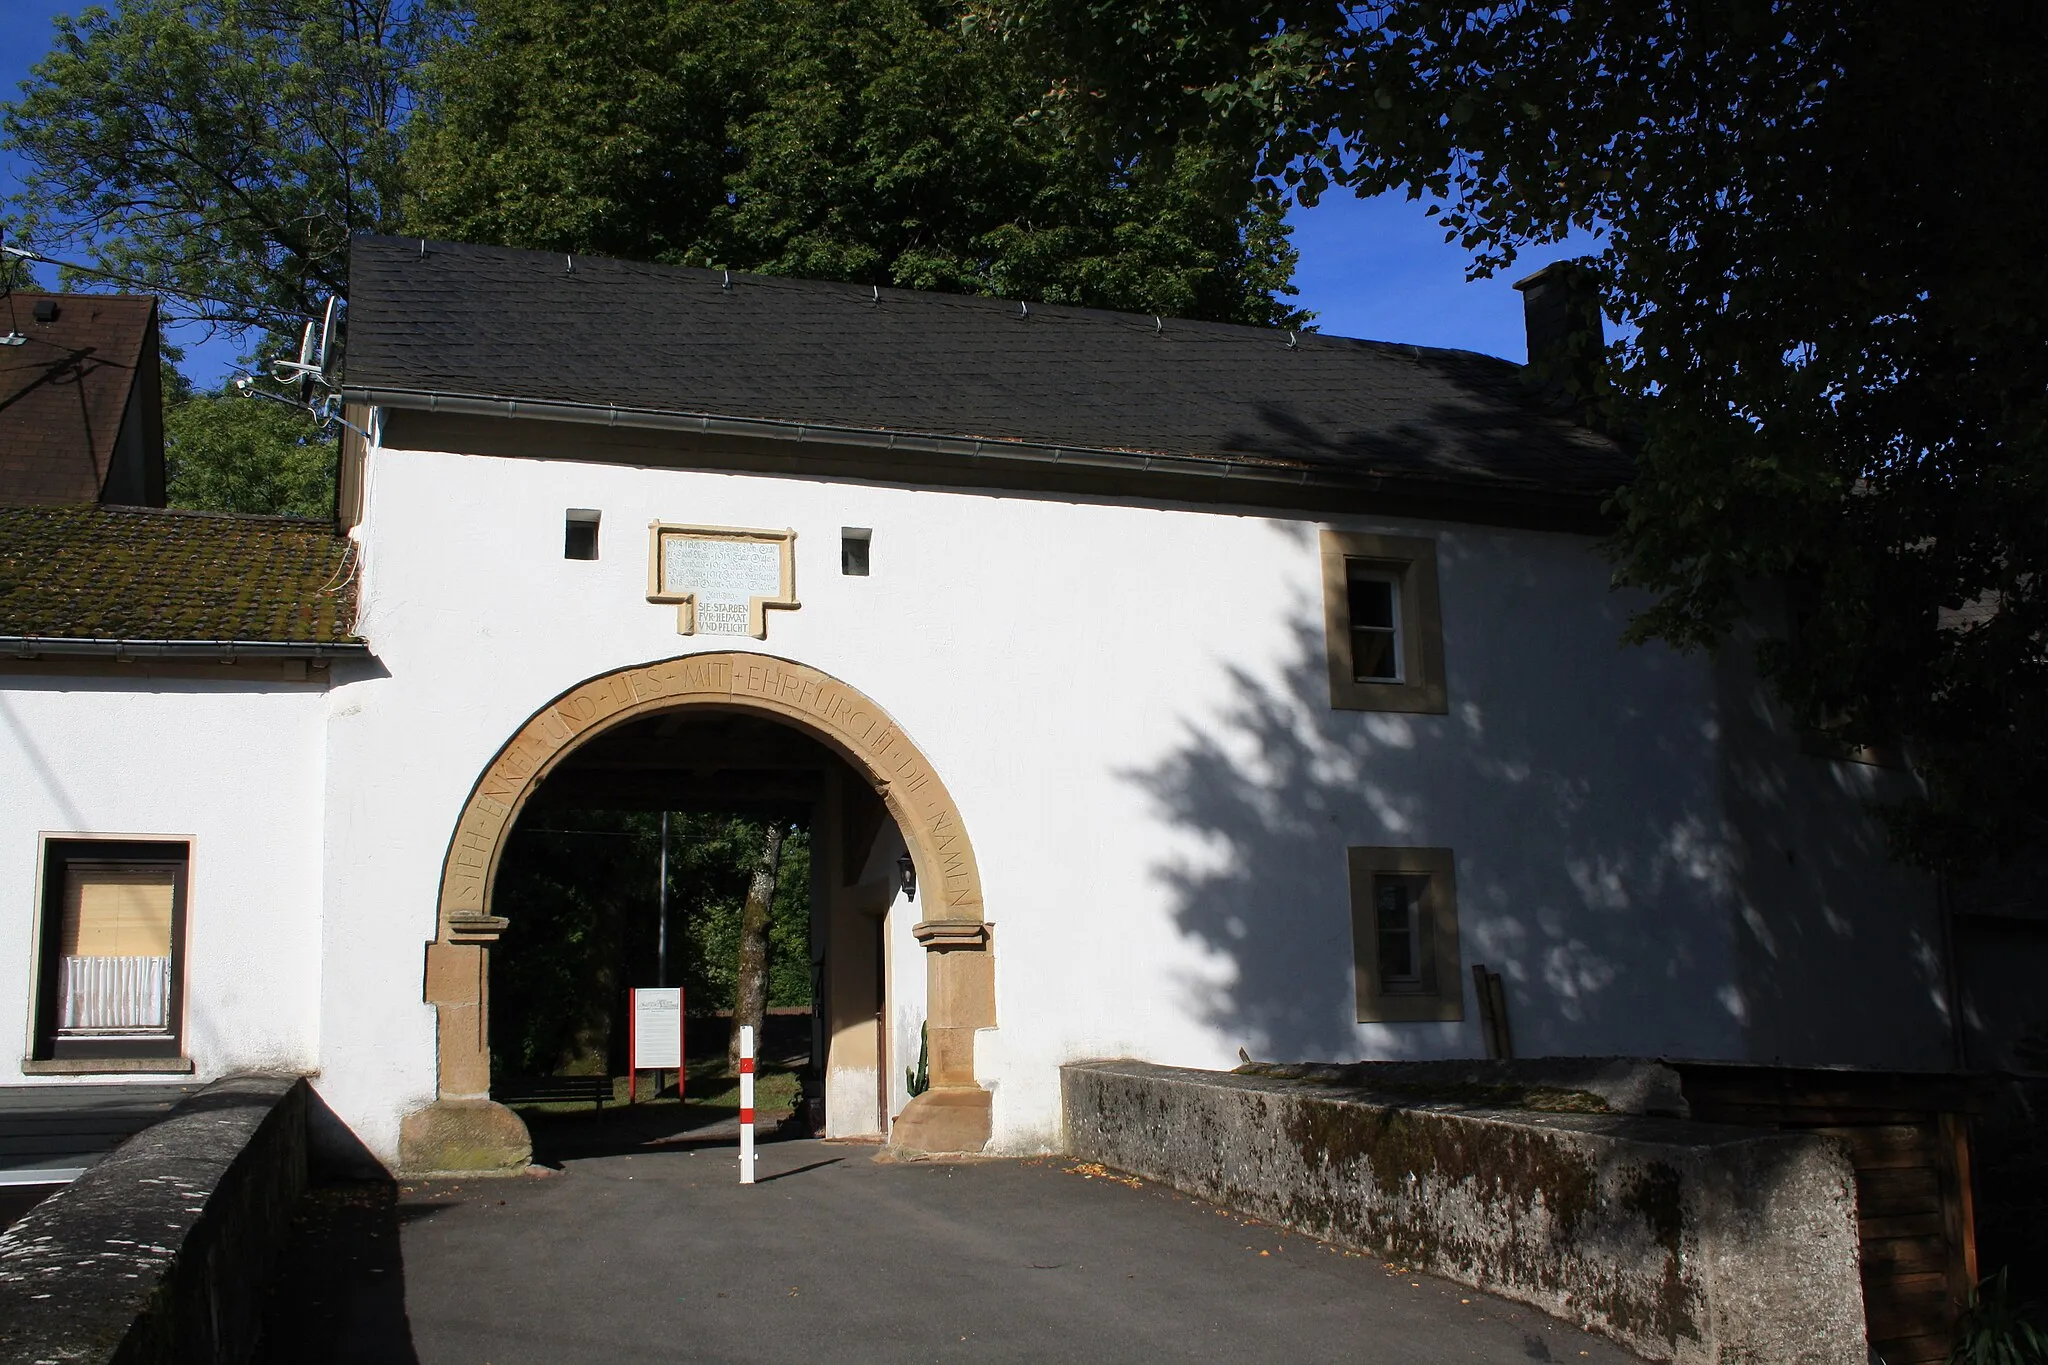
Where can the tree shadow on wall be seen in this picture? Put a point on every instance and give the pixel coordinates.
(1576, 782)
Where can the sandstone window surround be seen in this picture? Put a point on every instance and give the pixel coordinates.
(1404, 935)
(1382, 626)
(110, 969)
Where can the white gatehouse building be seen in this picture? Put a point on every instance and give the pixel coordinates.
(1233, 692)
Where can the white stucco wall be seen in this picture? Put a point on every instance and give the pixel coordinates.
(235, 768)
(1129, 705)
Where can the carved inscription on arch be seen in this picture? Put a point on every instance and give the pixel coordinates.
(920, 801)
(816, 702)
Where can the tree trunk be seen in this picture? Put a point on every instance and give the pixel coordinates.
(750, 981)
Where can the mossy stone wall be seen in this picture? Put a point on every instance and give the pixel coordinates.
(1683, 1241)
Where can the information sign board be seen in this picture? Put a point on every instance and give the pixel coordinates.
(658, 1028)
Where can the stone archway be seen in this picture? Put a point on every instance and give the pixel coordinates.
(464, 1131)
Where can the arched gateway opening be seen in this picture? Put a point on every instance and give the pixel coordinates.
(463, 1130)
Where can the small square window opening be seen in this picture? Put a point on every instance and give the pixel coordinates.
(854, 542)
(579, 533)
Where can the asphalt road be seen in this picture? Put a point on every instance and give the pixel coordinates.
(837, 1255)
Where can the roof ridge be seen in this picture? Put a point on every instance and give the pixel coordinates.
(121, 294)
(130, 509)
(866, 294)
(594, 337)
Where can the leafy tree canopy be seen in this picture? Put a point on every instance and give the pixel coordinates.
(1824, 224)
(218, 152)
(227, 453)
(221, 153)
(876, 141)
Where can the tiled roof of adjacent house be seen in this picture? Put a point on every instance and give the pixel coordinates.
(133, 573)
(428, 318)
(64, 391)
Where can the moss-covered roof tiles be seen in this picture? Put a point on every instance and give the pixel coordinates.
(137, 573)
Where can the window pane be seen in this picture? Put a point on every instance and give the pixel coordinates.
(1372, 598)
(1375, 656)
(1394, 906)
(113, 911)
(114, 946)
(1397, 914)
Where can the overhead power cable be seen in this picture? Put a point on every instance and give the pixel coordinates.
(25, 254)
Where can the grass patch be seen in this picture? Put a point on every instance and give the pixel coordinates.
(708, 1086)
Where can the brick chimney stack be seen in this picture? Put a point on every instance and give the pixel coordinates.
(1567, 337)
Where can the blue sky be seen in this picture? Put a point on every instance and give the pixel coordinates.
(1369, 268)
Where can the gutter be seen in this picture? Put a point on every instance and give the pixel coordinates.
(47, 646)
(974, 448)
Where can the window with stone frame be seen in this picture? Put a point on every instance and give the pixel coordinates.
(1404, 935)
(1382, 629)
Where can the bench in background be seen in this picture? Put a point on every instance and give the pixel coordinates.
(552, 1090)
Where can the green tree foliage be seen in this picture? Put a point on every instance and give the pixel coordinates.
(219, 152)
(227, 453)
(1824, 224)
(875, 141)
(14, 272)
(580, 890)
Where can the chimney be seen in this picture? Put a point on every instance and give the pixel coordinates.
(1567, 339)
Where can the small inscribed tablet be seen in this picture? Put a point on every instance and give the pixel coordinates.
(721, 578)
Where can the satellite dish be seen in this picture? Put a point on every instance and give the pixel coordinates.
(309, 371)
(323, 358)
(307, 366)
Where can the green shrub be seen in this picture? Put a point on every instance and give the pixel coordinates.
(918, 1079)
(1996, 1331)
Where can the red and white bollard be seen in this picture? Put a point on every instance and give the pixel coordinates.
(746, 1104)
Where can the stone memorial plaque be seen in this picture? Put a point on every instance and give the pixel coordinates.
(721, 578)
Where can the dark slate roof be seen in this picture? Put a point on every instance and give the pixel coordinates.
(64, 390)
(134, 573)
(486, 322)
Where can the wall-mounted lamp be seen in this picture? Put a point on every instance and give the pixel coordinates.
(906, 876)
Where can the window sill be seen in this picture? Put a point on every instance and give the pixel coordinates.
(1422, 699)
(1820, 744)
(1411, 1009)
(106, 1066)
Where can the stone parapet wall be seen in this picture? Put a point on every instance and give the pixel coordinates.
(1683, 1241)
(161, 1251)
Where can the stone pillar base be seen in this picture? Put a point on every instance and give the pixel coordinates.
(945, 1120)
(463, 1137)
